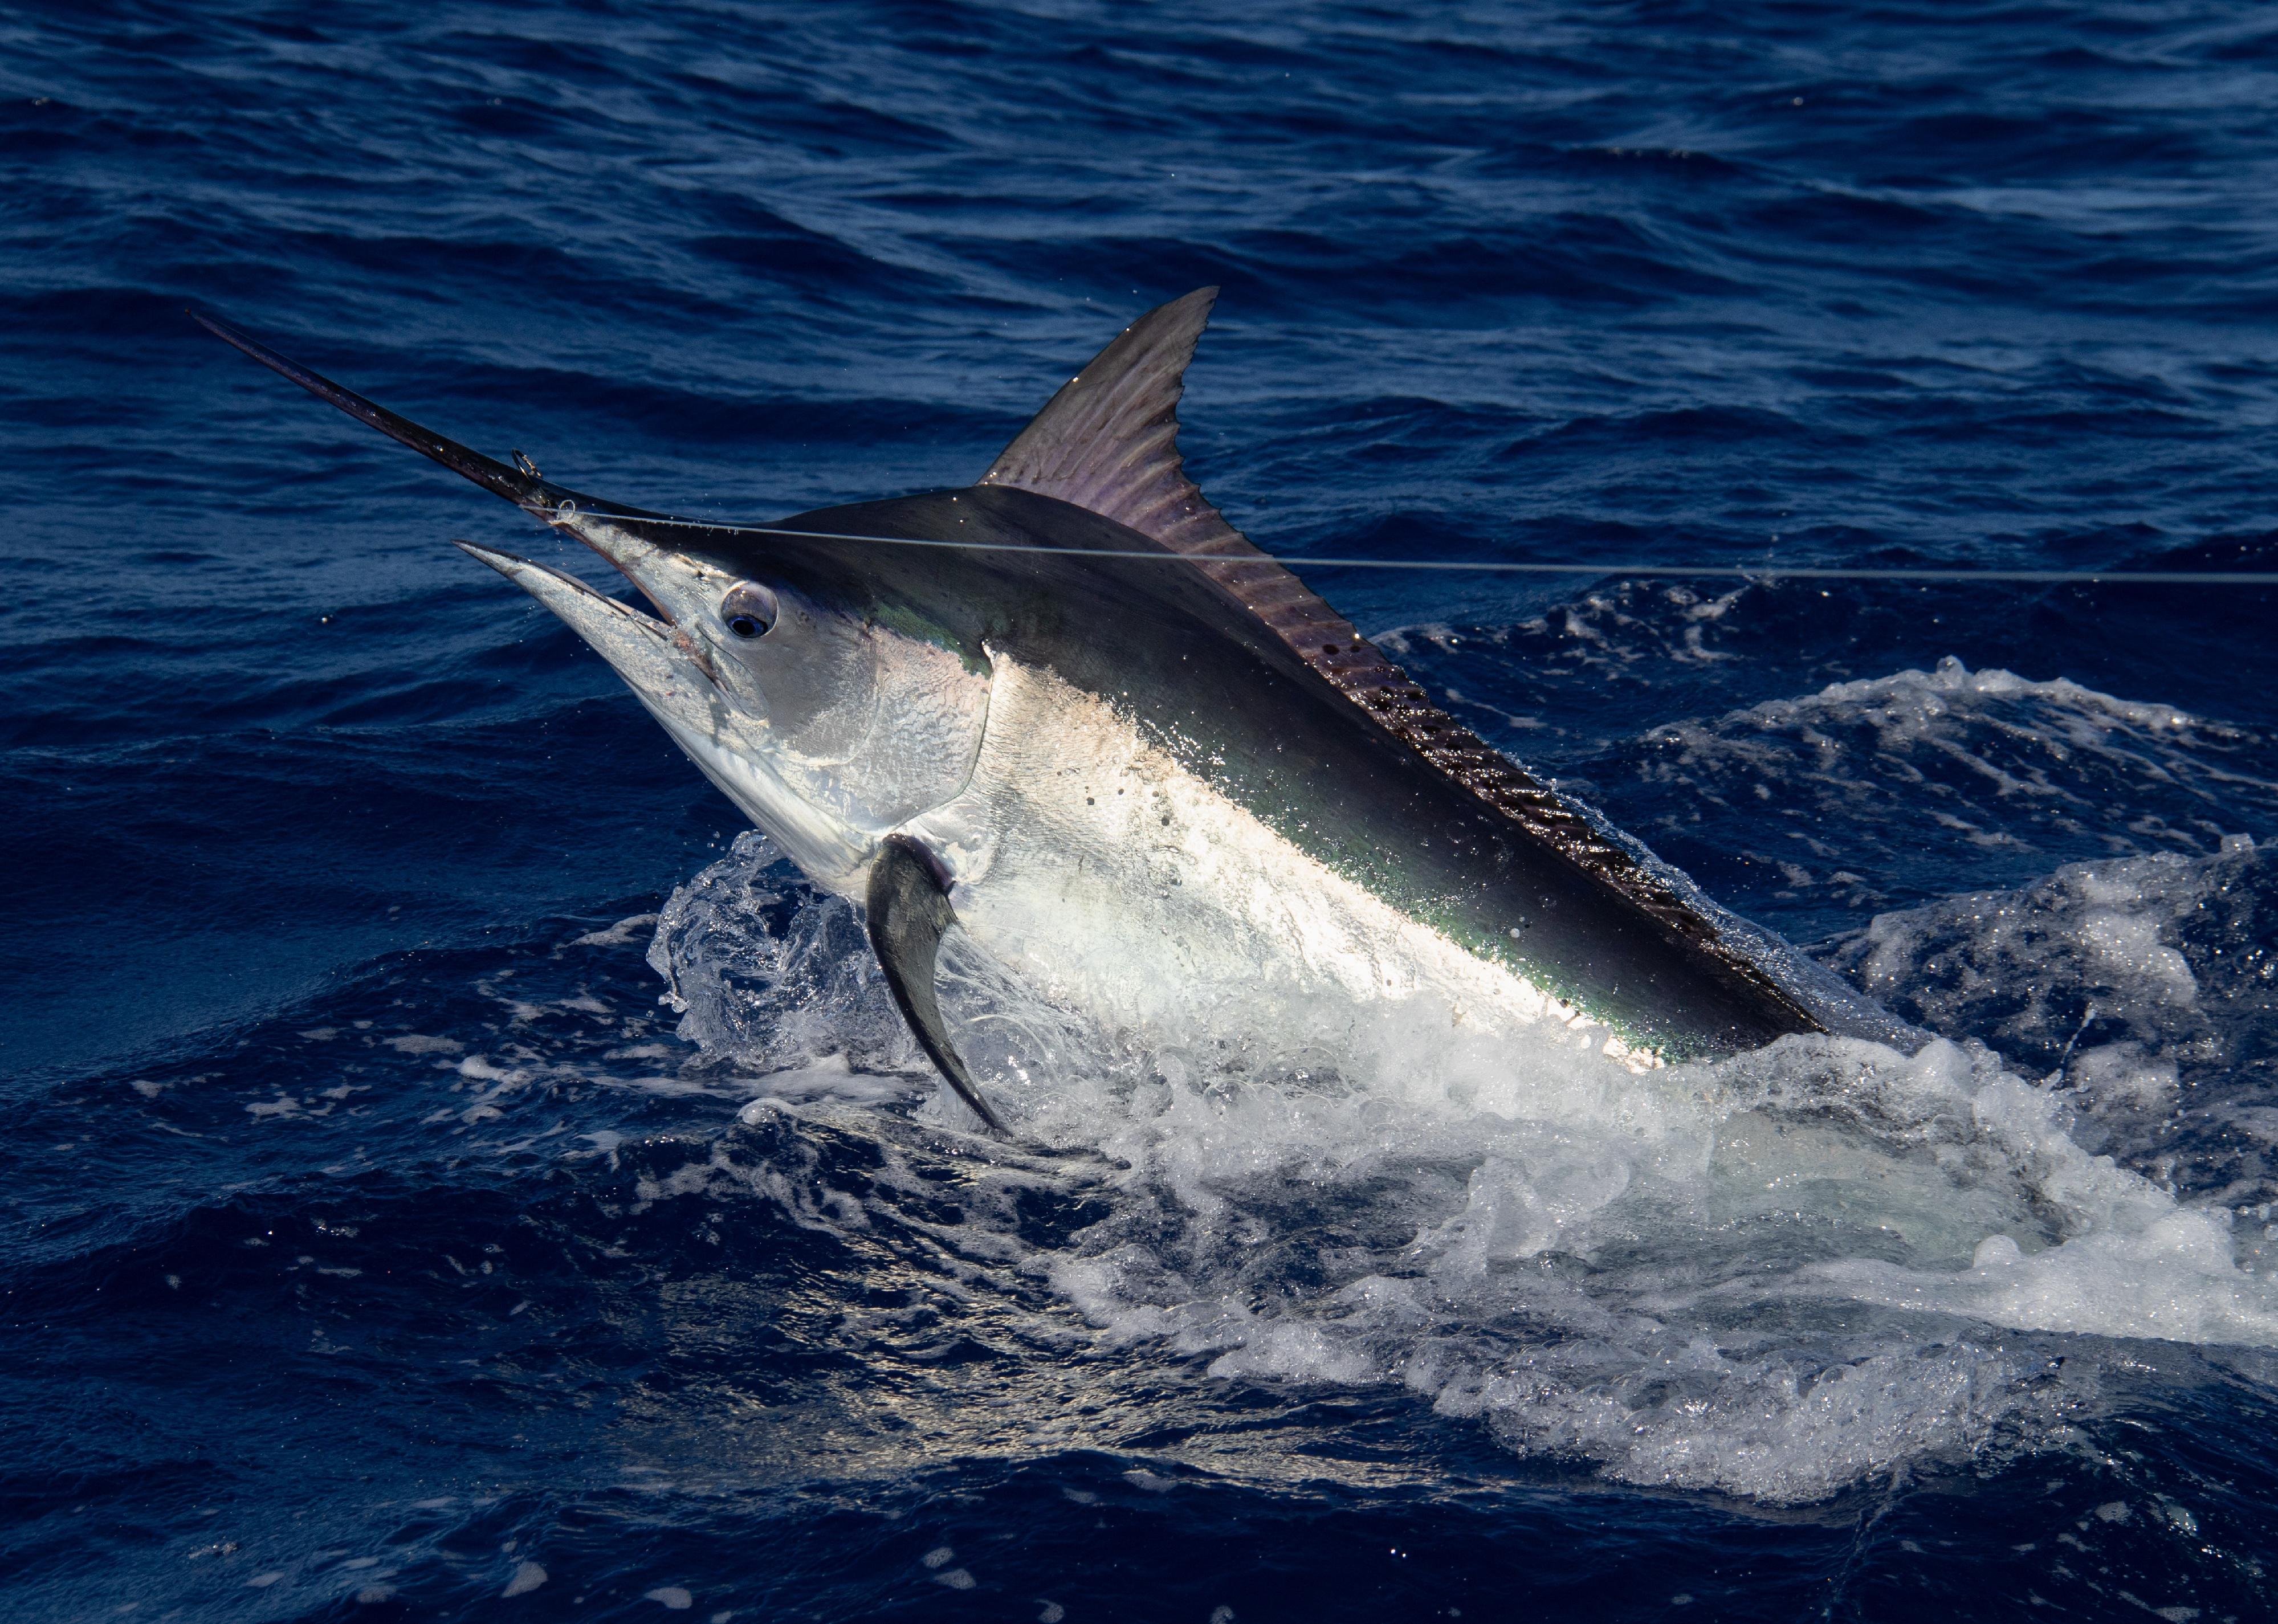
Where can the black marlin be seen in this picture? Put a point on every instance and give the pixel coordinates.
(1137, 761)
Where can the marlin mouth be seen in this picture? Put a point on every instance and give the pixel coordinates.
(653, 656)
(653, 569)
(562, 592)
(553, 587)
(623, 565)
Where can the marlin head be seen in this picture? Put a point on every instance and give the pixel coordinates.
(793, 692)
(780, 671)
(831, 726)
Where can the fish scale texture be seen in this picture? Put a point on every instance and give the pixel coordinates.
(454, 1172)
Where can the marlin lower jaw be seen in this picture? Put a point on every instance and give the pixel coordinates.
(647, 651)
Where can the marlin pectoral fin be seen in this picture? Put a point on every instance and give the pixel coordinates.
(909, 911)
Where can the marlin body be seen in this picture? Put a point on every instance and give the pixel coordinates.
(1137, 762)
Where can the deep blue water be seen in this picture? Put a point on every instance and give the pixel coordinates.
(377, 1246)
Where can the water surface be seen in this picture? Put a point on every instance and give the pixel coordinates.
(380, 1245)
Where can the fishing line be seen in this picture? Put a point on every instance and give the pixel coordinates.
(1724, 572)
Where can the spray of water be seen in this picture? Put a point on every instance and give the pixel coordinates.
(1771, 1275)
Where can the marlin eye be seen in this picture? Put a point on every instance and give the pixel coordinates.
(749, 609)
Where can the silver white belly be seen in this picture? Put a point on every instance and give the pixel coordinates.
(1092, 864)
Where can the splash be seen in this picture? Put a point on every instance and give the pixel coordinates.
(1772, 1276)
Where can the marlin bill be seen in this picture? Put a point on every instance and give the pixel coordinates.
(1139, 764)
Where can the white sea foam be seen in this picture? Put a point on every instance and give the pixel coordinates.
(1772, 1276)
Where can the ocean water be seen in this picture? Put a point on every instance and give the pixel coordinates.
(456, 1171)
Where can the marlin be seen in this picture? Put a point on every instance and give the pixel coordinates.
(1072, 712)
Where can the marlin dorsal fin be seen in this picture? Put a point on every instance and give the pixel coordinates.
(1108, 441)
